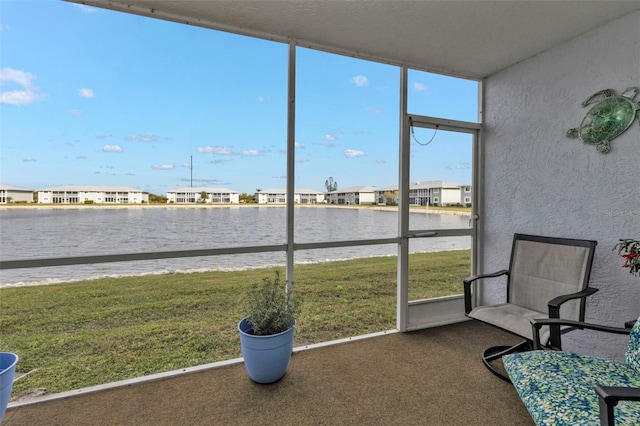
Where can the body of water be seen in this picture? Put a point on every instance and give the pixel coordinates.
(66, 232)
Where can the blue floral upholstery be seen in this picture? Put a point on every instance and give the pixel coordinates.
(558, 388)
(633, 352)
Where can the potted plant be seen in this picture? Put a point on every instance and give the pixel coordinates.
(629, 250)
(8, 363)
(266, 332)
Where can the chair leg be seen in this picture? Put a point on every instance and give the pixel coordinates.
(496, 352)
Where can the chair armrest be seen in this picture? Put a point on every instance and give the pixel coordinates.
(467, 286)
(537, 324)
(554, 304)
(554, 312)
(608, 398)
(472, 278)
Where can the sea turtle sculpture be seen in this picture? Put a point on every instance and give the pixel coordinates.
(612, 115)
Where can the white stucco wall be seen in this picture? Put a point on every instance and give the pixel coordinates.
(538, 181)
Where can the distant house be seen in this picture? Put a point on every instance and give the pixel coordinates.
(14, 194)
(434, 193)
(431, 193)
(387, 195)
(86, 194)
(308, 196)
(191, 195)
(353, 195)
(465, 195)
(271, 196)
(279, 196)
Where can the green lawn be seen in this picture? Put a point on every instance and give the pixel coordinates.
(87, 333)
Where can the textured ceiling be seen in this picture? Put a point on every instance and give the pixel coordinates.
(465, 38)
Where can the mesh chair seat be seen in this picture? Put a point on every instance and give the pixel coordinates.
(512, 318)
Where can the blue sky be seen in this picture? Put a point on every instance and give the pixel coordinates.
(96, 97)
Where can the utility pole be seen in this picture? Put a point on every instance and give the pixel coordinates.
(191, 168)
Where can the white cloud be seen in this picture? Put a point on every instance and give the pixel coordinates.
(19, 97)
(86, 9)
(352, 153)
(374, 110)
(216, 150)
(76, 112)
(206, 181)
(325, 144)
(28, 160)
(111, 148)
(419, 87)
(162, 167)
(26, 94)
(302, 160)
(330, 137)
(86, 93)
(299, 145)
(222, 160)
(81, 157)
(360, 80)
(142, 138)
(251, 153)
(21, 78)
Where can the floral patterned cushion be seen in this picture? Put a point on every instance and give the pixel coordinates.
(558, 388)
(633, 351)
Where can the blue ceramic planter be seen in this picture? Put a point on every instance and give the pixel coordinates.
(265, 357)
(8, 363)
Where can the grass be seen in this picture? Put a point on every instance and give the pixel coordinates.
(86, 333)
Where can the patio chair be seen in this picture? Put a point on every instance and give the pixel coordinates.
(560, 387)
(545, 274)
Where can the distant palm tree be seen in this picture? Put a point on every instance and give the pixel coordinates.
(331, 185)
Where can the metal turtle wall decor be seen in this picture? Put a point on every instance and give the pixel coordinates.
(608, 118)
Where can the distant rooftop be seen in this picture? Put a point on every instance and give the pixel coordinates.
(362, 188)
(94, 188)
(13, 188)
(284, 191)
(205, 189)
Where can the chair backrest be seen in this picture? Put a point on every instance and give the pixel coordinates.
(543, 268)
(632, 357)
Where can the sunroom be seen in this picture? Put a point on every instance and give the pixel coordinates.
(527, 64)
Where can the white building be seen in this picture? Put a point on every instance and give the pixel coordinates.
(353, 195)
(89, 194)
(14, 194)
(279, 196)
(308, 196)
(191, 195)
(432, 193)
(387, 195)
(466, 195)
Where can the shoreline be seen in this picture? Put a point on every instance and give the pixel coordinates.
(55, 281)
(413, 209)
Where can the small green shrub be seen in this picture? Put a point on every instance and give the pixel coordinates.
(270, 307)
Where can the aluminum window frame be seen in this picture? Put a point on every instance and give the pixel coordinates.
(403, 322)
